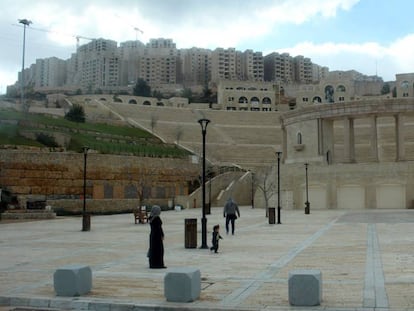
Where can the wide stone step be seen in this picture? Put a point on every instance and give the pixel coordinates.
(28, 214)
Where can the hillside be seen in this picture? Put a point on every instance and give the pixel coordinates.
(36, 130)
(234, 138)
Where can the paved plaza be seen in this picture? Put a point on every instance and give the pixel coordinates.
(366, 258)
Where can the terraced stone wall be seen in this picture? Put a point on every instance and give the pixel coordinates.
(111, 181)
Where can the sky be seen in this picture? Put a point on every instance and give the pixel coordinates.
(374, 37)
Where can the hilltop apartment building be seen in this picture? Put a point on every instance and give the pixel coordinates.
(103, 65)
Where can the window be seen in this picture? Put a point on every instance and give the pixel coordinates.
(317, 99)
(299, 138)
(329, 94)
(266, 101)
(341, 88)
(130, 192)
(108, 191)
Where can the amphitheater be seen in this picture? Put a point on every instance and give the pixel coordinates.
(358, 154)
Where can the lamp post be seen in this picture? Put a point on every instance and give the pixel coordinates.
(204, 123)
(278, 153)
(209, 192)
(86, 218)
(252, 176)
(307, 204)
(25, 23)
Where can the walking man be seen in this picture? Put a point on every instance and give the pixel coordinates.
(229, 211)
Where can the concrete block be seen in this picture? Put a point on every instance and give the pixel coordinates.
(72, 280)
(182, 284)
(305, 287)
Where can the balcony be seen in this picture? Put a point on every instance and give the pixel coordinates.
(299, 147)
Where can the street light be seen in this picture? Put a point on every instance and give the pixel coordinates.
(209, 191)
(307, 204)
(86, 218)
(278, 153)
(252, 177)
(204, 123)
(25, 23)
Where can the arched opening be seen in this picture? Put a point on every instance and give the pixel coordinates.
(329, 94)
(341, 88)
(254, 100)
(132, 101)
(316, 100)
(146, 103)
(243, 100)
(254, 104)
(404, 87)
(266, 101)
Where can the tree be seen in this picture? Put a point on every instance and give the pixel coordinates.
(178, 134)
(76, 114)
(46, 140)
(385, 89)
(206, 97)
(187, 93)
(264, 182)
(142, 88)
(154, 120)
(157, 94)
(142, 179)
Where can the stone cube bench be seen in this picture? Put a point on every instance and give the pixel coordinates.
(305, 287)
(72, 280)
(182, 284)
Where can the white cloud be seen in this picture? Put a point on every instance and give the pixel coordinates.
(401, 52)
(224, 24)
(369, 57)
(6, 78)
(193, 23)
(300, 11)
(228, 28)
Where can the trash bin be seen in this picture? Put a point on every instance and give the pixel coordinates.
(272, 218)
(208, 208)
(86, 222)
(190, 232)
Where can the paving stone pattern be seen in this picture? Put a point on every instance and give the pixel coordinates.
(366, 259)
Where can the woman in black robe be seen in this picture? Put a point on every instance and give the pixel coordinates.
(156, 245)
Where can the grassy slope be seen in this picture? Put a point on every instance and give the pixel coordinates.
(101, 137)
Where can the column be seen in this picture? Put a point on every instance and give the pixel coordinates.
(349, 140)
(374, 138)
(399, 137)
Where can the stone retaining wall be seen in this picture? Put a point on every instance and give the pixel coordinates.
(112, 181)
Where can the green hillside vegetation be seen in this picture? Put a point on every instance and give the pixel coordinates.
(15, 127)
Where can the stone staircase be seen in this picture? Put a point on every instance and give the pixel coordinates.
(246, 139)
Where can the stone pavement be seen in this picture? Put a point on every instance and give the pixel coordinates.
(366, 258)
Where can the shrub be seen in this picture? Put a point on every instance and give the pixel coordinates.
(76, 114)
(47, 140)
